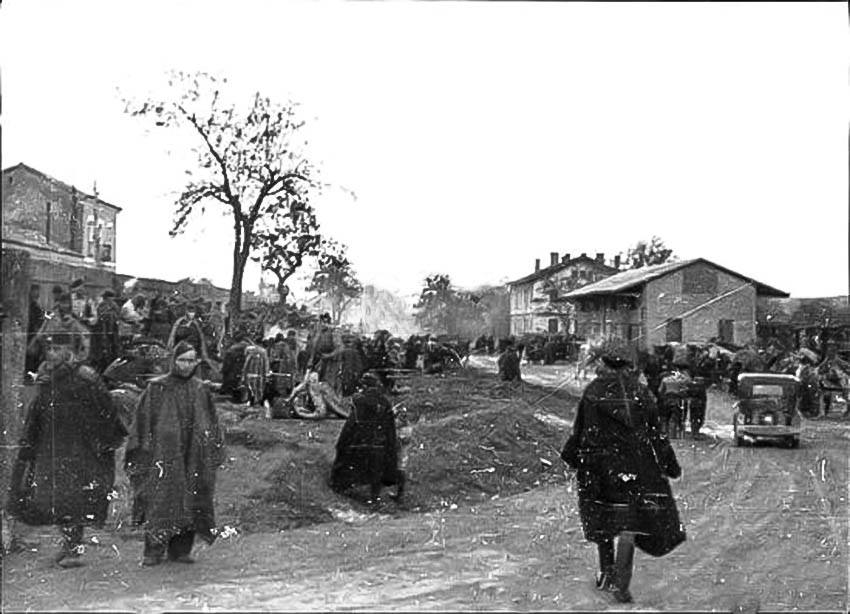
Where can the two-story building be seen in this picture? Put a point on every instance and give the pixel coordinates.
(686, 301)
(534, 307)
(68, 234)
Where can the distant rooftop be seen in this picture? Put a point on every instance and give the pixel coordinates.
(635, 278)
(64, 185)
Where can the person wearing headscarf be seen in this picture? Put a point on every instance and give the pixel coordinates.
(622, 461)
(367, 451)
(105, 342)
(174, 450)
(66, 461)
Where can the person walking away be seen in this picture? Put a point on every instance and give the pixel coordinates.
(697, 392)
(106, 343)
(508, 363)
(367, 451)
(65, 468)
(672, 393)
(622, 461)
(174, 450)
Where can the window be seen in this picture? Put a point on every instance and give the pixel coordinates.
(47, 221)
(553, 325)
(699, 280)
(106, 253)
(726, 330)
(674, 331)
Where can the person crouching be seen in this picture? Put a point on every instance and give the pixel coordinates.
(367, 451)
(174, 449)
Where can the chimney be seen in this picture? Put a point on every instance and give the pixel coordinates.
(553, 258)
(584, 255)
(600, 257)
(617, 261)
(566, 258)
(537, 265)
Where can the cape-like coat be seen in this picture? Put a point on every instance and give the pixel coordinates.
(623, 462)
(367, 448)
(174, 449)
(66, 462)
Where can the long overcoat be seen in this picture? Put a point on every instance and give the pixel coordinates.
(174, 450)
(367, 451)
(623, 462)
(66, 461)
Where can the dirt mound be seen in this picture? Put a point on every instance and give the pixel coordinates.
(473, 438)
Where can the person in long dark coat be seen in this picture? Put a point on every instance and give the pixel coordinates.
(66, 461)
(35, 319)
(508, 363)
(105, 341)
(174, 450)
(623, 462)
(367, 451)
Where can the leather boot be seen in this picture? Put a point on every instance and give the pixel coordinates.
(623, 567)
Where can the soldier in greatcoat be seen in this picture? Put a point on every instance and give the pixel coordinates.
(622, 461)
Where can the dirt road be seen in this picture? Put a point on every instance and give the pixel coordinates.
(766, 525)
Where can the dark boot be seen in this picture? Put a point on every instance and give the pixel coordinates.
(606, 564)
(623, 567)
(72, 546)
(155, 547)
(180, 547)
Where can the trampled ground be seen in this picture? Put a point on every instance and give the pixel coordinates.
(488, 524)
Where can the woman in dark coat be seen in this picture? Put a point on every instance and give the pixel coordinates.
(623, 462)
(66, 461)
(367, 451)
(175, 447)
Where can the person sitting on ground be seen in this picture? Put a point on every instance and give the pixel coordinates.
(367, 451)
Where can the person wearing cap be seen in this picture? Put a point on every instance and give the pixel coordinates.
(174, 450)
(622, 461)
(672, 398)
(105, 342)
(61, 322)
(367, 451)
(66, 460)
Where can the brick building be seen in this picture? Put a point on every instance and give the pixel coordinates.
(69, 234)
(687, 301)
(534, 304)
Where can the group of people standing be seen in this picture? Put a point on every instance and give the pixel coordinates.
(65, 469)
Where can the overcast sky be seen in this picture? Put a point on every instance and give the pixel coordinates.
(477, 136)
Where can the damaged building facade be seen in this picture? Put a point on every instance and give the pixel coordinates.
(686, 301)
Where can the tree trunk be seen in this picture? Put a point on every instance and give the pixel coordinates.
(282, 292)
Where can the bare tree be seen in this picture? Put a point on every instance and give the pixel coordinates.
(246, 158)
